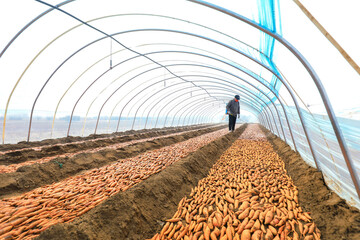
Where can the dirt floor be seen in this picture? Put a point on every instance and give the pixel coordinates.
(71, 139)
(335, 219)
(141, 210)
(36, 175)
(22, 152)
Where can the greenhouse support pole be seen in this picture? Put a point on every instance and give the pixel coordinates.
(328, 36)
(318, 83)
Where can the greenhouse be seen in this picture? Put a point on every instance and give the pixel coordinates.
(181, 119)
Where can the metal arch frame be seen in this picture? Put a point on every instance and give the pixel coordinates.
(142, 45)
(204, 114)
(153, 96)
(149, 86)
(103, 73)
(129, 31)
(316, 79)
(133, 98)
(30, 23)
(275, 108)
(108, 98)
(154, 105)
(125, 94)
(216, 82)
(255, 107)
(244, 103)
(151, 15)
(133, 88)
(153, 84)
(257, 89)
(336, 127)
(253, 98)
(166, 88)
(243, 71)
(159, 101)
(179, 118)
(116, 15)
(128, 102)
(259, 64)
(212, 115)
(206, 118)
(198, 112)
(278, 76)
(226, 95)
(241, 89)
(163, 98)
(211, 102)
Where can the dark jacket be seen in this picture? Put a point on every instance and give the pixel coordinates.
(233, 107)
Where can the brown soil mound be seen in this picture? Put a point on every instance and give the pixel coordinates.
(22, 152)
(71, 139)
(36, 175)
(139, 212)
(335, 219)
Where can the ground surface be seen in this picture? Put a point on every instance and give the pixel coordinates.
(333, 216)
(140, 211)
(35, 175)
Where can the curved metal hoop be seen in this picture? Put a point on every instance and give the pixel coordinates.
(316, 79)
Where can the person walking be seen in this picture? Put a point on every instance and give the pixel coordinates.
(233, 110)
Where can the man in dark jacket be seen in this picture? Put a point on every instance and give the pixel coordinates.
(233, 109)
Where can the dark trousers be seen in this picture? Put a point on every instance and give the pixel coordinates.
(232, 121)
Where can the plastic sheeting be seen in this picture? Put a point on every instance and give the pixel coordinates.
(118, 65)
(327, 151)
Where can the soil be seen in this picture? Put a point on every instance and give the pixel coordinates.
(32, 176)
(71, 139)
(22, 152)
(140, 211)
(333, 216)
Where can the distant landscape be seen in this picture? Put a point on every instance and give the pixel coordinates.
(17, 126)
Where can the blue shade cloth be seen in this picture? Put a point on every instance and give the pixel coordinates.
(269, 17)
